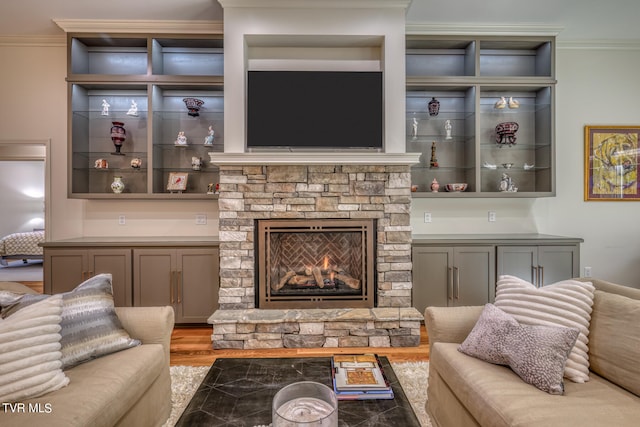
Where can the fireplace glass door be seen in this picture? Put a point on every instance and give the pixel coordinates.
(315, 263)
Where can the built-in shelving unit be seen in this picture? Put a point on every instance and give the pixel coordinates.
(469, 77)
(141, 82)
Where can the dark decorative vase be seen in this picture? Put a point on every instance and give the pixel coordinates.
(193, 105)
(434, 107)
(118, 135)
(506, 133)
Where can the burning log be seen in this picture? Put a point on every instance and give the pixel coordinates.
(317, 277)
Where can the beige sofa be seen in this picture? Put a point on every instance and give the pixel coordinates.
(465, 391)
(127, 388)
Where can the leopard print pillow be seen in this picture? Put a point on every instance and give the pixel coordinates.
(536, 353)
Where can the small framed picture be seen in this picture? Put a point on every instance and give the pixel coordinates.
(177, 181)
(612, 155)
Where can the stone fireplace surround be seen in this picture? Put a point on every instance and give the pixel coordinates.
(250, 192)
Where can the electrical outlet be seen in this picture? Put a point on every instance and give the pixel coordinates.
(427, 217)
(587, 272)
(492, 216)
(201, 219)
(122, 220)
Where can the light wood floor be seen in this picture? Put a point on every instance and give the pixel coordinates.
(192, 346)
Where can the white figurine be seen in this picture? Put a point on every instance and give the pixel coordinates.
(105, 107)
(513, 103)
(528, 167)
(181, 139)
(133, 110)
(447, 129)
(414, 128)
(501, 103)
(209, 138)
(489, 165)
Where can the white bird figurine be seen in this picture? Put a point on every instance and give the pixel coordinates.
(513, 103)
(501, 103)
(528, 166)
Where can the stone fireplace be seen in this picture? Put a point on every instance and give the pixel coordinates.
(315, 263)
(315, 189)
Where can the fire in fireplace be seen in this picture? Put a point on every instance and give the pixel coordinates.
(315, 264)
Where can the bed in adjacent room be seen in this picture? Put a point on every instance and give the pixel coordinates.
(21, 246)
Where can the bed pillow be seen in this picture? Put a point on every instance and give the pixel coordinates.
(537, 354)
(30, 364)
(90, 326)
(567, 303)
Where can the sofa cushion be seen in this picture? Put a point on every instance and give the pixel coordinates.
(536, 353)
(567, 303)
(615, 340)
(30, 355)
(90, 326)
(495, 396)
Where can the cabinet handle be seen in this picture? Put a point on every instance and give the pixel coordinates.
(457, 288)
(534, 274)
(90, 274)
(541, 276)
(171, 287)
(179, 285)
(450, 284)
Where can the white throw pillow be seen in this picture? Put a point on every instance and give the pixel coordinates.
(567, 303)
(30, 364)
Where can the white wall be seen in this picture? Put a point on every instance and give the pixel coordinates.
(22, 190)
(594, 87)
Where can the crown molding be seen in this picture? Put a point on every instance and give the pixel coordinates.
(599, 44)
(33, 41)
(461, 29)
(318, 4)
(139, 26)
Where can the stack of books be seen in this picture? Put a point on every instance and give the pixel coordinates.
(359, 377)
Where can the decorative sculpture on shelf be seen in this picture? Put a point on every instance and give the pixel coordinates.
(501, 103)
(447, 129)
(181, 140)
(209, 138)
(507, 184)
(433, 163)
(434, 107)
(193, 106)
(118, 136)
(414, 128)
(435, 185)
(513, 103)
(506, 133)
(133, 110)
(105, 107)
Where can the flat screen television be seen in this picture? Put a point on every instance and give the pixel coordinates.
(315, 110)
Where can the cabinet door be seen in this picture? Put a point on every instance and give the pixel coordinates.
(474, 275)
(64, 269)
(519, 261)
(197, 285)
(154, 277)
(558, 263)
(432, 277)
(117, 262)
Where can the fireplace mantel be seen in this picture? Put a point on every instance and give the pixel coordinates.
(314, 158)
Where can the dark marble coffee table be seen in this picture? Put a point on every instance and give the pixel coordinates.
(238, 393)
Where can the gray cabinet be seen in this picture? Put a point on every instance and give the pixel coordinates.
(540, 265)
(64, 269)
(146, 272)
(186, 279)
(453, 275)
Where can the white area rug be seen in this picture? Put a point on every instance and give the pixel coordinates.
(414, 377)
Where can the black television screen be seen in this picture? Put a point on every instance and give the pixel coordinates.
(315, 109)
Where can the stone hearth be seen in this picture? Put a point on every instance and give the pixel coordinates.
(380, 192)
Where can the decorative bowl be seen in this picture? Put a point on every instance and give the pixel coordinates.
(456, 187)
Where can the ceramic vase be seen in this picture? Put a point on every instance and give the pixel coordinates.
(434, 107)
(435, 186)
(118, 135)
(117, 186)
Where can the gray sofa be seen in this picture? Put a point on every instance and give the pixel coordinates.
(127, 388)
(465, 391)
